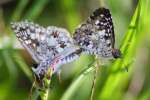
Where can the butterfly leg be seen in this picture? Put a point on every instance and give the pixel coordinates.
(59, 76)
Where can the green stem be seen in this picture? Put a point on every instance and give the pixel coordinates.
(96, 65)
(44, 91)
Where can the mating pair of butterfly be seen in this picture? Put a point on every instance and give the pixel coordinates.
(52, 46)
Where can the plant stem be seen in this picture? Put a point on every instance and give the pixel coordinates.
(44, 91)
(94, 82)
(95, 78)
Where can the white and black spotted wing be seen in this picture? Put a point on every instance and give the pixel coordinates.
(96, 35)
(49, 46)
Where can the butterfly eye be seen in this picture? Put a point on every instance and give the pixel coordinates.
(116, 53)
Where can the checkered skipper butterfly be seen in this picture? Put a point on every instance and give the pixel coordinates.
(49, 47)
(96, 35)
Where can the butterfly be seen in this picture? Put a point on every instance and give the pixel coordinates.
(49, 47)
(53, 46)
(96, 35)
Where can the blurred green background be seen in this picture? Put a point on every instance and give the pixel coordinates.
(131, 21)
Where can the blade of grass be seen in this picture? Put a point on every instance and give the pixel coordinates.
(71, 16)
(19, 10)
(76, 83)
(23, 66)
(35, 10)
(9, 63)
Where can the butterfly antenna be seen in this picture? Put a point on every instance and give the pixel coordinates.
(94, 81)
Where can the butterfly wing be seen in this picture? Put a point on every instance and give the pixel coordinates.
(42, 42)
(29, 34)
(46, 45)
(96, 35)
